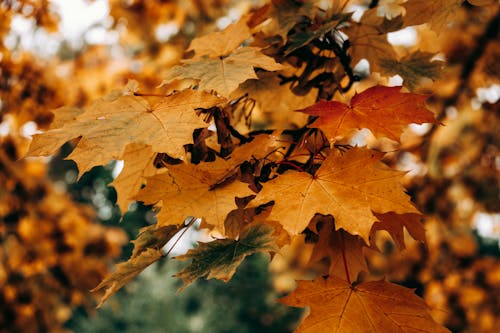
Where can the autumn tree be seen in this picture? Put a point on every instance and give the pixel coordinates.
(284, 134)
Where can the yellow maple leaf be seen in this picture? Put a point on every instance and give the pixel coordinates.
(109, 124)
(186, 190)
(223, 74)
(138, 161)
(221, 43)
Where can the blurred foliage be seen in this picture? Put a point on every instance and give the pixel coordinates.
(245, 304)
(52, 251)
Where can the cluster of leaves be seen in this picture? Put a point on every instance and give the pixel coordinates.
(260, 190)
(52, 250)
(223, 142)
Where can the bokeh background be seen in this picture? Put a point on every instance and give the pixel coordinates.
(60, 236)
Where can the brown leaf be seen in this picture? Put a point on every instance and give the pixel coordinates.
(369, 39)
(437, 13)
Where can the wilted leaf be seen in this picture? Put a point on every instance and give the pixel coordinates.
(220, 258)
(153, 236)
(303, 38)
(377, 306)
(125, 272)
(276, 100)
(147, 250)
(385, 111)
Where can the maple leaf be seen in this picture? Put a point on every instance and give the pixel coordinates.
(109, 124)
(394, 224)
(344, 250)
(186, 190)
(412, 68)
(385, 111)
(369, 39)
(137, 163)
(376, 306)
(437, 13)
(221, 43)
(147, 250)
(223, 74)
(348, 186)
(220, 258)
(63, 115)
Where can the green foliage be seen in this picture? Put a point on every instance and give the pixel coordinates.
(149, 304)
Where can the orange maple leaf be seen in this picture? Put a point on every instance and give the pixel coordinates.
(348, 186)
(376, 306)
(394, 224)
(344, 250)
(385, 111)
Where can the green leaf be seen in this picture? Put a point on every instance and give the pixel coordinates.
(220, 258)
(412, 68)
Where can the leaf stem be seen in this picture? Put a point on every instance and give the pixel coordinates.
(344, 259)
(296, 167)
